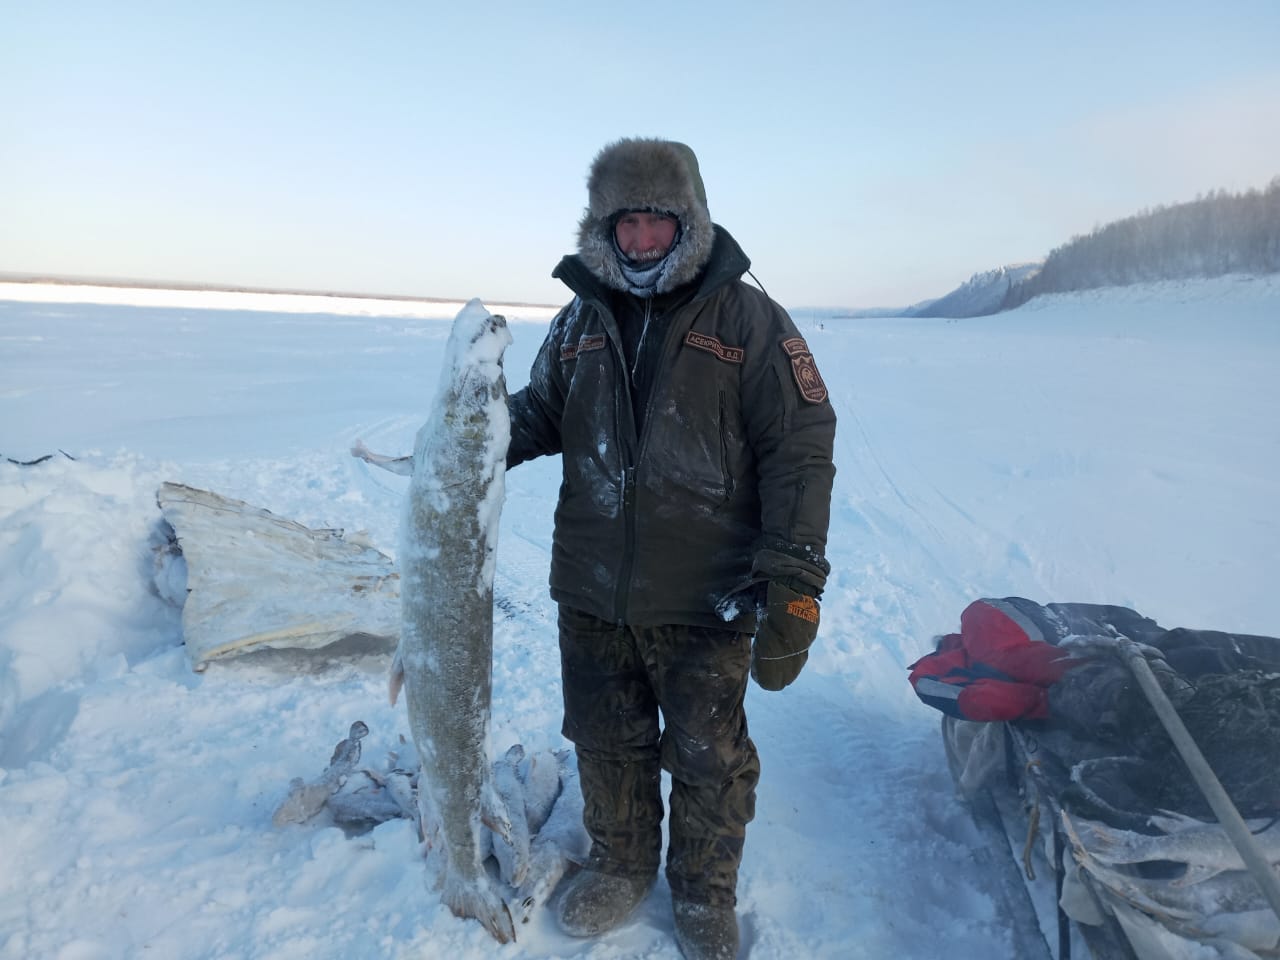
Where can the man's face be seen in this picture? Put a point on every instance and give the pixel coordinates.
(644, 236)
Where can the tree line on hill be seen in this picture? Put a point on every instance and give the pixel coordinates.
(1213, 235)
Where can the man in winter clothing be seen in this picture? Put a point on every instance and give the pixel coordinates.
(696, 439)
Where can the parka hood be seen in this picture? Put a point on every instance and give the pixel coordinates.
(659, 176)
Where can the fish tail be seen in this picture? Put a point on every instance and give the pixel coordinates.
(1114, 882)
(395, 677)
(477, 899)
(1102, 842)
(548, 865)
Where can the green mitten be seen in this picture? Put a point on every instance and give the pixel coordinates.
(785, 632)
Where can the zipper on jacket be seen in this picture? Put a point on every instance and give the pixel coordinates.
(624, 431)
(795, 510)
(629, 544)
(674, 334)
(725, 475)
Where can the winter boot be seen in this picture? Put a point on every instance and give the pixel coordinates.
(594, 902)
(705, 932)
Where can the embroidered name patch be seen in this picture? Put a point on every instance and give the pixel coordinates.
(571, 350)
(710, 344)
(805, 369)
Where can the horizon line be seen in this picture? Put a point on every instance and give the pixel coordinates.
(212, 287)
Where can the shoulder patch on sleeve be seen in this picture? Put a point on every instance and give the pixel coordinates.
(805, 370)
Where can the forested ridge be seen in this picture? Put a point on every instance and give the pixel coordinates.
(1213, 235)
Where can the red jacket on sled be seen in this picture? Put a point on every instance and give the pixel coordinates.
(998, 667)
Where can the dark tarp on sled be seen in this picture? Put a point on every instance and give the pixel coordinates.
(1052, 669)
(1048, 734)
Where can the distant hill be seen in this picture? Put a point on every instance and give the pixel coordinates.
(981, 294)
(856, 313)
(1211, 236)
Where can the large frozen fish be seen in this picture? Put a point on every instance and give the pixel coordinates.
(1204, 847)
(1232, 891)
(305, 799)
(560, 844)
(448, 533)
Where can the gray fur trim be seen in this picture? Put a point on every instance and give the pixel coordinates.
(646, 174)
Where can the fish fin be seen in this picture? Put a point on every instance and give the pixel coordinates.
(1195, 873)
(478, 899)
(1170, 821)
(1117, 884)
(304, 801)
(1104, 842)
(498, 825)
(398, 465)
(395, 681)
(1072, 831)
(510, 846)
(547, 867)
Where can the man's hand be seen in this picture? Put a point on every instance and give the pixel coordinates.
(786, 630)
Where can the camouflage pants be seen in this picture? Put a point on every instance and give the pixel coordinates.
(616, 682)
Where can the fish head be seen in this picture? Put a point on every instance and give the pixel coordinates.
(478, 338)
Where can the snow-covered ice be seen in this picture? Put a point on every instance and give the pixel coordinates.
(1113, 446)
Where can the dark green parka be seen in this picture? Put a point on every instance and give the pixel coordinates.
(729, 482)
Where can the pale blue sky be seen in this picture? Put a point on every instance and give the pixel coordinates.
(863, 153)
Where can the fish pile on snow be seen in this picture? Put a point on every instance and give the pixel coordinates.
(541, 840)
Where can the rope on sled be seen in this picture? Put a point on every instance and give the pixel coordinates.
(1227, 814)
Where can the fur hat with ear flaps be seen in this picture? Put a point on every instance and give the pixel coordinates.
(660, 176)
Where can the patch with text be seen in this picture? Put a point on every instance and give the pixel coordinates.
(703, 341)
(805, 608)
(571, 350)
(805, 369)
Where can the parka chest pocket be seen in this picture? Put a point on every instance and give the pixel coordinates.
(587, 369)
(702, 445)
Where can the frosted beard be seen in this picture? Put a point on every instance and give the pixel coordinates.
(642, 276)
